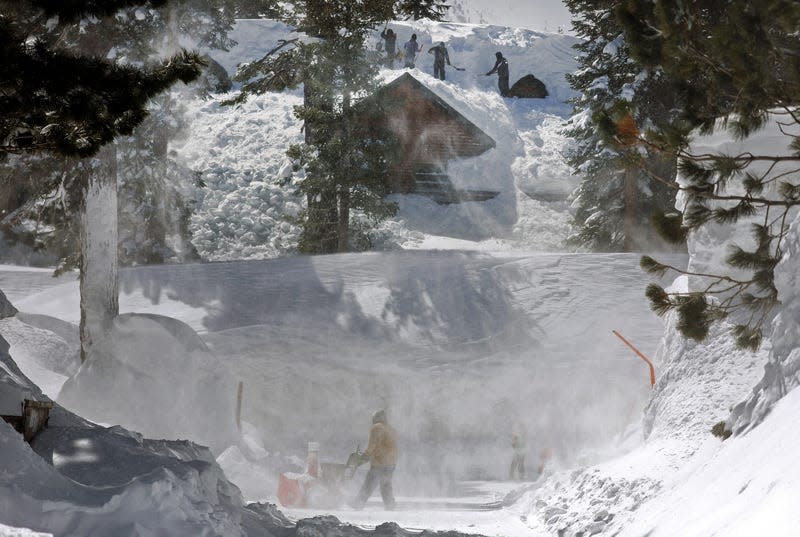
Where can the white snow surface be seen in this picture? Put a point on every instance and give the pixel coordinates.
(172, 384)
(77, 478)
(537, 14)
(456, 344)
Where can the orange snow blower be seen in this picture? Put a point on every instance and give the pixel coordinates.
(321, 484)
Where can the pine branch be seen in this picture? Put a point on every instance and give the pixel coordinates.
(694, 316)
(651, 266)
(660, 302)
(747, 337)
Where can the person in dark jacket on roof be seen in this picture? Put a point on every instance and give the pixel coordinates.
(440, 57)
(410, 50)
(501, 68)
(390, 40)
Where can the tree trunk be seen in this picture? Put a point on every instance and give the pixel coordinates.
(99, 283)
(158, 222)
(631, 215)
(343, 225)
(343, 231)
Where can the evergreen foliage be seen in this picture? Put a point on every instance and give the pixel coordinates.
(624, 184)
(57, 100)
(737, 65)
(345, 154)
(154, 209)
(435, 10)
(257, 9)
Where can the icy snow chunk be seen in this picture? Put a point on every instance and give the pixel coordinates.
(286, 170)
(8, 531)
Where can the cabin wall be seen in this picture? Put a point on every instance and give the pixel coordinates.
(428, 138)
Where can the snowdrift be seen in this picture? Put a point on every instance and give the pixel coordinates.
(78, 478)
(172, 385)
(684, 481)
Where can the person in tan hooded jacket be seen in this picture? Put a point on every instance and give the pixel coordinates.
(382, 455)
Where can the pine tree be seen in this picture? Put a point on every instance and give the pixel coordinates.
(737, 66)
(624, 184)
(153, 207)
(344, 163)
(74, 102)
(257, 9)
(55, 100)
(434, 10)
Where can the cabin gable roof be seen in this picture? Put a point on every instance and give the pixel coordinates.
(398, 95)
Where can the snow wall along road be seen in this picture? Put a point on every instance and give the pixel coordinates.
(457, 346)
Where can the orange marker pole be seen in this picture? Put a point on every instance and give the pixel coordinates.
(642, 356)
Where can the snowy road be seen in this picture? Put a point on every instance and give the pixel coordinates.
(456, 345)
(473, 340)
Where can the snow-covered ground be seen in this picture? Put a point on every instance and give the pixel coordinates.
(460, 335)
(471, 342)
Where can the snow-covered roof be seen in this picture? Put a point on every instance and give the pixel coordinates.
(478, 142)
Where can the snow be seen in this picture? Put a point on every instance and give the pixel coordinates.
(8, 531)
(172, 385)
(77, 478)
(517, 324)
(542, 14)
(744, 486)
(469, 328)
(245, 212)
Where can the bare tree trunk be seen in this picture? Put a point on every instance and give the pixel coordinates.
(99, 284)
(343, 226)
(343, 231)
(157, 224)
(631, 215)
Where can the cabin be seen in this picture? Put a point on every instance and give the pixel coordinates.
(430, 133)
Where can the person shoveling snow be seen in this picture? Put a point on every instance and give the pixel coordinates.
(440, 57)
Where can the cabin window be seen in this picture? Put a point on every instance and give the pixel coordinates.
(432, 180)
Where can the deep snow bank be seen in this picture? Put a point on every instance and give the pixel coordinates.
(697, 385)
(684, 481)
(78, 478)
(709, 246)
(456, 345)
(172, 385)
(746, 486)
(782, 372)
(81, 479)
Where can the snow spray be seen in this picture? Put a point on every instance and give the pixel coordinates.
(312, 461)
